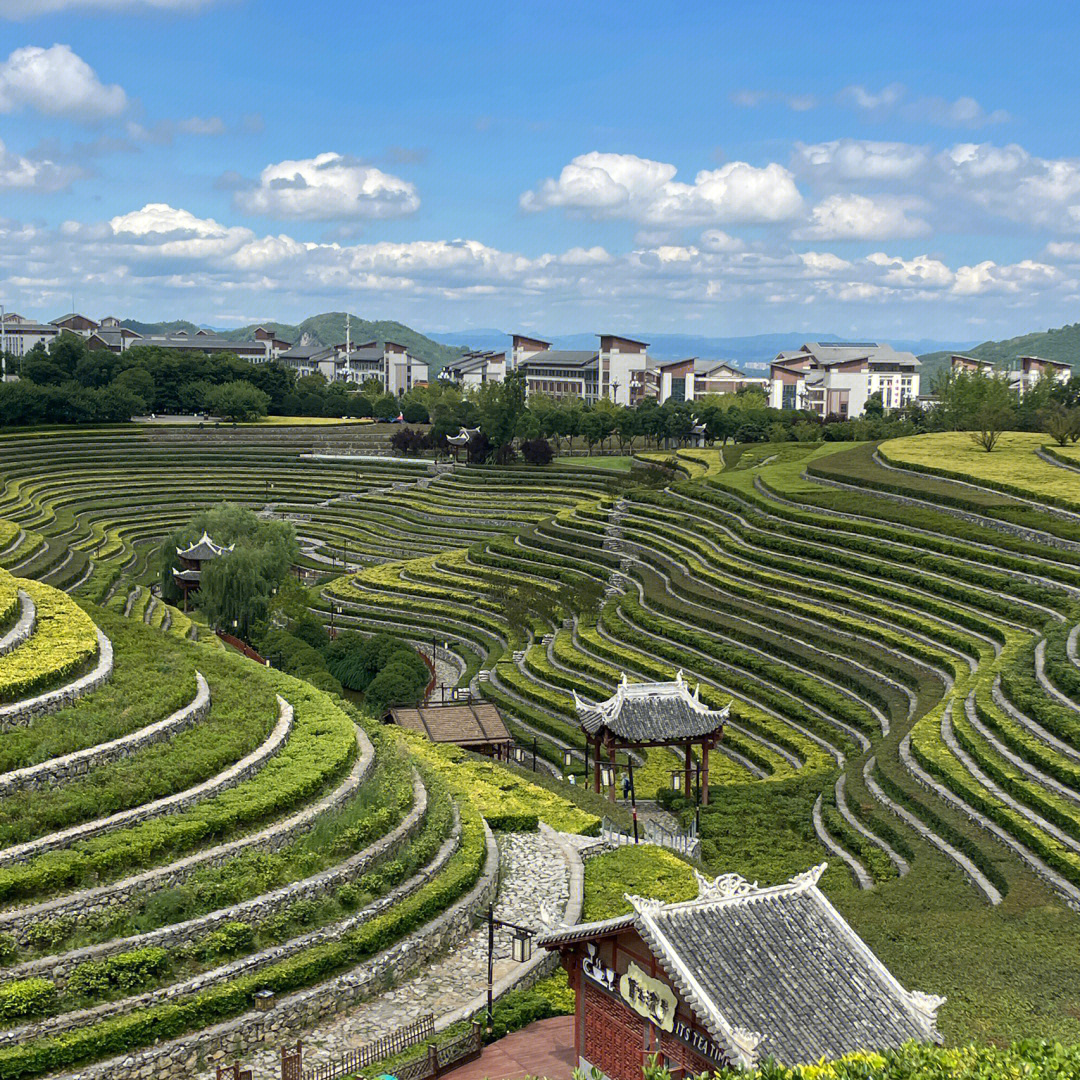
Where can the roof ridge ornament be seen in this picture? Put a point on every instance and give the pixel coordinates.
(808, 878)
(644, 905)
(746, 1041)
(724, 886)
(926, 1005)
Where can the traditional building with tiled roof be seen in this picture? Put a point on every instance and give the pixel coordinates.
(191, 559)
(735, 976)
(652, 714)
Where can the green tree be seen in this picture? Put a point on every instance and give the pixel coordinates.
(238, 401)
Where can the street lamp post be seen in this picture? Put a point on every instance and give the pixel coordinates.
(521, 951)
(534, 753)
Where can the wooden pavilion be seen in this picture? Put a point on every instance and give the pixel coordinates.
(640, 715)
(472, 725)
(191, 559)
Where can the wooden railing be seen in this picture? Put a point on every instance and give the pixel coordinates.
(388, 1045)
(439, 1058)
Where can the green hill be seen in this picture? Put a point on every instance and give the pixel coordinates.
(1061, 344)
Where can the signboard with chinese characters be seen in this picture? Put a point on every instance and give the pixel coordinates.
(648, 997)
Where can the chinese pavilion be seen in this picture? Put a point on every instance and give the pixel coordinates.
(652, 714)
(191, 560)
(739, 974)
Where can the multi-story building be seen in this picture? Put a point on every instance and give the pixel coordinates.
(475, 369)
(76, 323)
(119, 339)
(1023, 373)
(693, 378)
(1028, 370)
(617, 371)
(392, 364)
(20, 335)
(836, 378)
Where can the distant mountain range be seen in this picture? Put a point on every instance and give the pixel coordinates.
(1062, 344)
(752, 352)
(325, 329)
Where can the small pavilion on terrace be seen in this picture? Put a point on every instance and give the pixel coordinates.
(640, 715)
(191, 559)
(473, 725)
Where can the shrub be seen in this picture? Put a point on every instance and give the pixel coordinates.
(26, 997)
(124, 972)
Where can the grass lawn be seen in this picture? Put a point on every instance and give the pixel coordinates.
(618, 463)
(1011, 466)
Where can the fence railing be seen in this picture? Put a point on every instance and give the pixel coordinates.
(394, 1042)
(652, 832)
(439, 1057)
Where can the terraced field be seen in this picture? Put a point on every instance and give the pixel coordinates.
(183, 830)
(900, 650)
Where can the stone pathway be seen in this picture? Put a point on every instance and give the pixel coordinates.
(533, 872)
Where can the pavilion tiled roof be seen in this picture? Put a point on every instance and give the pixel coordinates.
(204, 548)
(774, 971)
(651, 712)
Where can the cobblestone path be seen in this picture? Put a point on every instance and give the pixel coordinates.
(533, 871)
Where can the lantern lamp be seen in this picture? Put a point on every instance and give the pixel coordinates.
(607, 775)
(567, 758)
(521, 946)
(676, 780)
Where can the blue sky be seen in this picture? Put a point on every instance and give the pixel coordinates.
(873, 170)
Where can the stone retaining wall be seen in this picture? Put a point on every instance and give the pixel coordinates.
(244, 964)
(58, 968)
(235, 774)
(305, 1008)
(61, 770)
(80, 906)
(24, 625)
(24, 712)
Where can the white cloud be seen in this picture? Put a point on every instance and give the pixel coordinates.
(22, 9)
(920, 271)
(201, 125)
(857, 217)
(638, 189)
(716, 240)
(751, 99)
(159, 230)
(865, 99)
(963, 111)
(858, 159)
(328, 188)
(1008, 182)
(58, 82)
(35, 174)
(161, 257)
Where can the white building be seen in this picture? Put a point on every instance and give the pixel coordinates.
(475, 369)
(694, 378)
(18, 335)
(1022, 374)
(617, 371)
(392, 364)
(836, 378)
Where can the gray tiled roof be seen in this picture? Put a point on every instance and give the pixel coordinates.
(648, 712)
(562, 358)
(204, 548)
(775, 971)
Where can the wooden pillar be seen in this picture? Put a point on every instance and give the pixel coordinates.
(705, 771)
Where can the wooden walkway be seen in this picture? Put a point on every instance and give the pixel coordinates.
(545, 1048)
